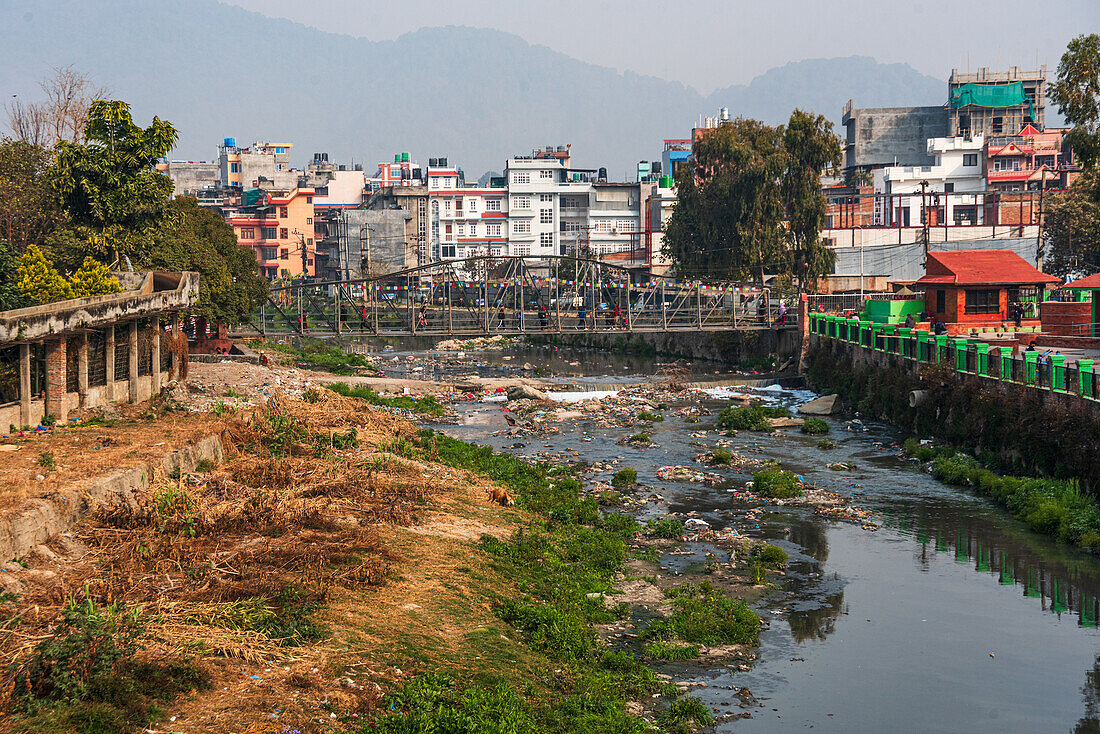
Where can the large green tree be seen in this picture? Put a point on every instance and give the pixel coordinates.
(1077, 94)
(1071, 229)
(198, 239)
(29, 211)
(750, 203)
(109, 186)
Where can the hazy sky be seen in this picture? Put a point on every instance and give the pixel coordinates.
(713, 43)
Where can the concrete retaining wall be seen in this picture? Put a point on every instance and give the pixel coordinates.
(42, 519)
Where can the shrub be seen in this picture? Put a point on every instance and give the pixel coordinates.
(426, 404)
(815, 426)
(665, 527)
(434, 702)
(46, 461)
(827, 444)
(705, 616)
(721, 457)
(750, 417)
(641, 437)
(772, 554)
(624, 478)
(646, 415)
(776, 483)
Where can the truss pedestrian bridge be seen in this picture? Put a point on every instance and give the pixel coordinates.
(485, 296)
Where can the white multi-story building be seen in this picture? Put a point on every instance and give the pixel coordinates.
(464, 220)
(957, 171)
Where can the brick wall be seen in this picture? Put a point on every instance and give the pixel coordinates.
(56, 378)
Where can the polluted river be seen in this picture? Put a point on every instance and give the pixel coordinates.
(938, 613)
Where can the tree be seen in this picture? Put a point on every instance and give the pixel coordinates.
(93, 279)
(10, 294)
(29, 211)
(61, 116)
(39, 280)
(751, 201)
(1071, 228)
(811, 148)
(198, 239)
(108, 185)
(1077, 94)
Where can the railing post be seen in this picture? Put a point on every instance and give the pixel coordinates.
(1006, 363)
(1085, 377)
(982, 367)
(1031, 368)
(1058, 372)
(960, 353)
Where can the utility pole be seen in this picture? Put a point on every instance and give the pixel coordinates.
(924, 216)
(1039, 232)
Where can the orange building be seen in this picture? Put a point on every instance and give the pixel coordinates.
(279, 227)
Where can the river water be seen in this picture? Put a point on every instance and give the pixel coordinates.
(950, 618)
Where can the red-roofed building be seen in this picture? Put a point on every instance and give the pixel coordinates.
(969, 289)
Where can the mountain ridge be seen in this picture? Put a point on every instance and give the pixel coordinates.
(474, 95)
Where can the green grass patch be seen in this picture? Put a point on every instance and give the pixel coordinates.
(827, 444)
(424, 405)
(685, 716)
(721, 457)
(624, 478)
(750, 417)
(641, 437)
(665, 527)
(646, 415)
(315, 354)
(815, 427)
(671, 651)
(776, 483)
(706, 616)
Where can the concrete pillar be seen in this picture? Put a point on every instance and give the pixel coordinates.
(82, 370)
(24, 385)
(132, 344)
(177, 335)
(56, 374)
(154, 363)
(109, 347)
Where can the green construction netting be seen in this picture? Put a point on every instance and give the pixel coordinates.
(989, 95)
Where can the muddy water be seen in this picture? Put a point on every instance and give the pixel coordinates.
(950, 618)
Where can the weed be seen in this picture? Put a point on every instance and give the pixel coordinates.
(641, 437)
(435, 702)
(222, 409)
(231, 393)
(776, 483)
(671, 651)
(425, 405)
(610, 498)
(316, 355)
(750, 417)
(624, 478)
(772, 555)
(721, 457)
(204, 465)
(685, 715)
(46, 461)
(827, 443)
(311, 395)
(706, 616)
(665, 527)
(815, 426)
(646, 415)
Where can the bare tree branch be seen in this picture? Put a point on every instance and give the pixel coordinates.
(63, 113)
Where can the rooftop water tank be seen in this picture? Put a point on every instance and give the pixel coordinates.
(404, 156)
(230, 142)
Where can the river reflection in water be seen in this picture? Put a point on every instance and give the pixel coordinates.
(951, 618)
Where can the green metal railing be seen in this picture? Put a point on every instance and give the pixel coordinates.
(969, 356)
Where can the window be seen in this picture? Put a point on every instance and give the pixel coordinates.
(949, 188)
(522, 250)
(269, 253)
(521, 178)
(269, 233)
(941, 302)
(983, 301)
(521, 202)
(309, 242)
(625, 225)
(448, 183)
(492, 205)
(604, 225)
(309, 262)
(473, 229)
(234, 167)
(435, 182)
(284, 233)
(309, 199)
(546, 239)
(447, 205)
(447, 251)
(284, 254)
(546, 197)
(998, 125)
(493, 230)
(282, 212)
(546, 175)
(546, 216)
(970, 159)
(521, 227)
(447, 229)
(248, 233)
(964, 214)
(309, 220)
(462, 230)
(471, 205)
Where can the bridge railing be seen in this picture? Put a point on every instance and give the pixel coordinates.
(1044, 370)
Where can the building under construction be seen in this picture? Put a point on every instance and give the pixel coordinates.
(995, 103)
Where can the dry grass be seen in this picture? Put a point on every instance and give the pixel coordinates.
(344, 525)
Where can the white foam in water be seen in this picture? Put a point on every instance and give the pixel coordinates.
(576, 397)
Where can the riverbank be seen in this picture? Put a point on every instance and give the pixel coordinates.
(234, 594)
